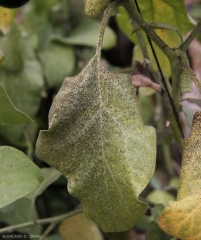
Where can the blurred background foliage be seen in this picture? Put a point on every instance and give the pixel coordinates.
(45, 41)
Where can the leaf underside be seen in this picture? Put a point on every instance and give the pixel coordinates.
(96, 138)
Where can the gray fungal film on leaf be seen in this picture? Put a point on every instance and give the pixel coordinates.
(97, 139)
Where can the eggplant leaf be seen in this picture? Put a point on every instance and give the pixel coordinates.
(182, 217)
(97, 139)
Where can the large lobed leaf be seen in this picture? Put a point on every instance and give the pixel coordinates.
(97, 139)
(182, 218)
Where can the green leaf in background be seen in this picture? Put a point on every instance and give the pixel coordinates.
(86, 34)
(156, 211)
(19, 175)
(78, 227)
(36, 20)
(36, 14)
(164, 11)
(143, 223)
(160, 197)
(146, 107)
(54, 237)
(155, 182)
(42, 6)
(97, 139)
(189, 111)
(19, 212)
(8, 113)
(146, 220)
(174, 183)
(153, 230)
(50, 176)
(25, 86)
(155, 233)
(58, 61)
(11, 46)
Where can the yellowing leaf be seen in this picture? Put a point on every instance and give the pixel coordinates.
(6, 17)
(11, 46)
(190, 176)
(78, 227)
(166, 11)
(182, 218)
(123, 20)
(97, 139)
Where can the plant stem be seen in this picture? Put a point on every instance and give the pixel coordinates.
(48, 230)
(168, 160)
(172, 56)
(41, 221)
(191, 37)
(160, 124)
(176, 81)
(176, 131)
(33, 212)
(194, 78)
(106, 17)
(179, 84)
(132, 10)
(166, 100)
(141, 40)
